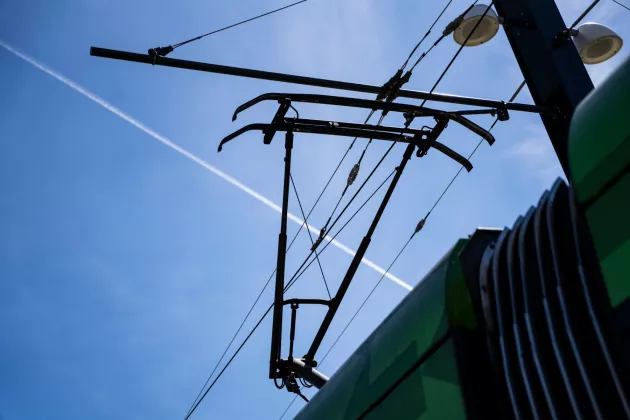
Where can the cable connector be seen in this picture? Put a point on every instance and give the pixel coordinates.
(352, 176)
(322, 235)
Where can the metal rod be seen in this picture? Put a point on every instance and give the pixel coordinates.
(303, 80)
(354, 265)
(294, 307)
(307, 372)
(365, 127)
(276, 329)
(583, 15)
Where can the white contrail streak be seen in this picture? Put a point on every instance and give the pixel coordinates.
(165, 140)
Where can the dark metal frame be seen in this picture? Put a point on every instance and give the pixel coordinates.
(423, 139)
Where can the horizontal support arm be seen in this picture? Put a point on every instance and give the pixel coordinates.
(415, 110)
(310, 81)
(407, 109)
(319, 129)
(348, 130)
(307, 302)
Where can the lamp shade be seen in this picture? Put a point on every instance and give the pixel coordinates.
(486, 30)
(596, 43)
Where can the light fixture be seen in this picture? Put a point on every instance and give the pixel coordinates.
(596, 43)
(486, 30)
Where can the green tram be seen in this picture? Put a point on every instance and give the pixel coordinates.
(531, 321)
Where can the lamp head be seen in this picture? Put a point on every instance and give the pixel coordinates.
(596, 43)
(486, 30)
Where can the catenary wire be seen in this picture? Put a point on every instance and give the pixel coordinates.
(296, 276)
(622, 5)
(262, 291)
(314, 249)
(287, 287)
(179, 44)
(459, 50)
(383, 114)
(425, 35)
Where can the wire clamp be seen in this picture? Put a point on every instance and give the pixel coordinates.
(160, 52)
(502, 112)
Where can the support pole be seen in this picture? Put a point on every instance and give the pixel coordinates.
(276, 328)
(553, 70)
(354, 265)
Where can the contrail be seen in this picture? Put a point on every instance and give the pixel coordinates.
(165, 140)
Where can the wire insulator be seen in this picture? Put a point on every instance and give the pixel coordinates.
(352, 176)
(420, 225)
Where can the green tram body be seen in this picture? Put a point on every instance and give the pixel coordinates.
(531, 321)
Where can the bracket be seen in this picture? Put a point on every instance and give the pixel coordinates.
(417, 137)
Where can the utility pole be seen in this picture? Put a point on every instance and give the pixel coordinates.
(550, 63)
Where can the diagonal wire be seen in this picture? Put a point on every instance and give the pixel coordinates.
(383, 114)
(314, 249)
(424, 54)
(586, 12)
(179, 44)
(264, 288)
(192, 410)
(310, 235)
(194, 407)
(288, 407)
(622, 5)
(365, 300)
(459, 50)
(514, 95)
(425, 36)
(287, 287)
(296, 276)
(449, 29)
(354, 316)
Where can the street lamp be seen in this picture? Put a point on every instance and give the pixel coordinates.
(596, 43)
(486, 30)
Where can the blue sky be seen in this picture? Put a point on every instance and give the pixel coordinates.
(126, 267)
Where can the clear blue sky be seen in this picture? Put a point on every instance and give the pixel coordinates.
(125, 268)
